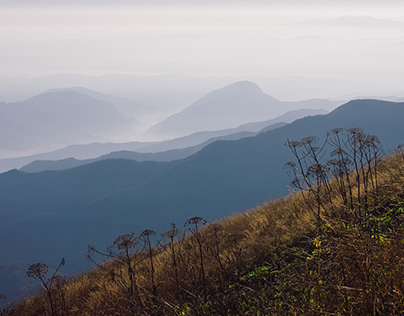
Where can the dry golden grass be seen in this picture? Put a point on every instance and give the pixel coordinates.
(274, 236)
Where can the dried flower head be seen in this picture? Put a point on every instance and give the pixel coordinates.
(336, 130)
(309, 140)
(195, 220)
(172, 233)
(293, 143)
(125, 241)
(37, 270)
(147, 232)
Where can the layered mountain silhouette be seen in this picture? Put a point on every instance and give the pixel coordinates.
(78, 151)
(170, 155)
(139, 112)
(62, 117)
(177, 148)
(239, 103)
(199, 137)
(171, 149)
(58, 118)
(52, 214)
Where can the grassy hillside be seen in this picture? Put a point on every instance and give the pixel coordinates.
(334, 249)
(57, 214)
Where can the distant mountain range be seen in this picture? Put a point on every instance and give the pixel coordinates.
(51, 214)
(80, 151)
(170, 155)
(62, 117)
(54, 119)
(173, 149)
(137, 111)
(239, 103)
(168, 93)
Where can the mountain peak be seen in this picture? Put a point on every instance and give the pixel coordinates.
(237, 91)
(228, 107)
(59, 96)
(365, 105)
(244, 85)
(239, 88)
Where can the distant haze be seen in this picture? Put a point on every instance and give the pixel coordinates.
(292, 49)
(151, 60)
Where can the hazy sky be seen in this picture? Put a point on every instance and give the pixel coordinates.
(355, 40)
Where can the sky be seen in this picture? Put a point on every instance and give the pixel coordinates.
(357, 42)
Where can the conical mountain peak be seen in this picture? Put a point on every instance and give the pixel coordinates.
(243, 86)
(228, 107)
(237, 90)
